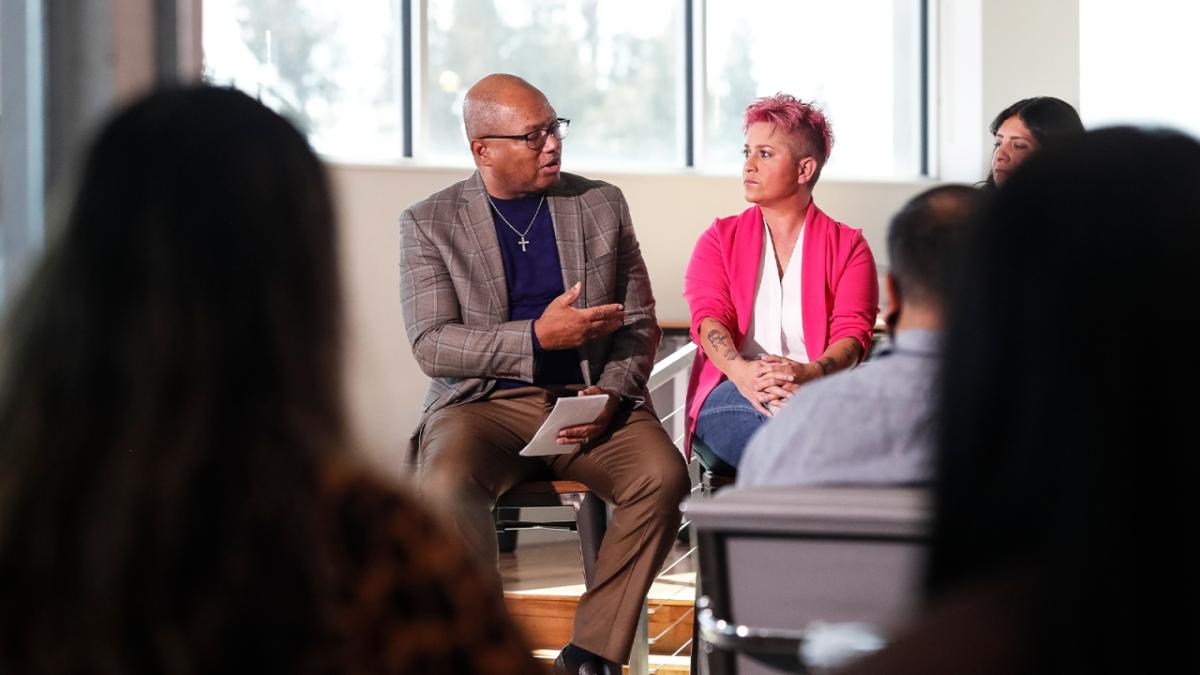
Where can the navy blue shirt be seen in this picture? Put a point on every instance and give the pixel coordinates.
(534, 275)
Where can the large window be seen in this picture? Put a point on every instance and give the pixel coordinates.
(860, 61)
(1136, 61)
(615, 68)
(655, 85)
(334, 69)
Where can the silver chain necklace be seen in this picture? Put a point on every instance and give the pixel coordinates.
(523, 242)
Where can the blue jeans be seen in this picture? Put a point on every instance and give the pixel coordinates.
(727, 421)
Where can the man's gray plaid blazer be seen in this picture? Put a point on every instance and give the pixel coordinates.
(454, 294)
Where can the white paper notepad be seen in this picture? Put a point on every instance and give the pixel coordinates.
(568, 411)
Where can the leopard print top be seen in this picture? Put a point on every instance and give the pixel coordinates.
(412, 599)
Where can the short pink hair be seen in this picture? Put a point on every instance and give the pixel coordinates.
(793, 116)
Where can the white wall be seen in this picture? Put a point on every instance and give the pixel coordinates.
(1029, 49)
(991, 53)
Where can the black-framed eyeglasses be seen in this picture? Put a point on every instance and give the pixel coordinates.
(537, 138)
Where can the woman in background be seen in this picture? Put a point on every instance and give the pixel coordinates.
(176, 494)
(1026, 126)
(1064, 498)
(780, 294)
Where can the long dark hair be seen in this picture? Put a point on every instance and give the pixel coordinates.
(170, 383)
(1067, 441)
(1049, 119)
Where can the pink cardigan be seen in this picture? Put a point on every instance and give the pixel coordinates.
(838, 284)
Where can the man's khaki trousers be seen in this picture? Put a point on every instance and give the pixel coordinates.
(468, 458)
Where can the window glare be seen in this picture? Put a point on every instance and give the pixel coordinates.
(1157, 38)
(613, 67)
(334, 73)
(800, 47)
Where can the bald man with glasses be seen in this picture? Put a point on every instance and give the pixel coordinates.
(520, 285)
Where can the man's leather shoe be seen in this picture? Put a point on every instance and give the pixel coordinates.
(593, 665)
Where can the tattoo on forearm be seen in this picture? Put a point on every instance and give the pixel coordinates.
(827, 365)
(719, 341)
(853, 353)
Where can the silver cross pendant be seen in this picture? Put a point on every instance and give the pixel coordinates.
(523, 242)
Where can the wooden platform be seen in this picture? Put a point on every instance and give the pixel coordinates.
(660, 665)
(543, 583)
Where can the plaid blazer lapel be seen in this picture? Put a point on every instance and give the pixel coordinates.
(476, 214)
(568, 233)
(567, 213)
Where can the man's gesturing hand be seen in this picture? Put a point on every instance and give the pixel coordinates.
(561, 326)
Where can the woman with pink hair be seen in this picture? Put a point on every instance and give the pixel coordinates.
(780, 294)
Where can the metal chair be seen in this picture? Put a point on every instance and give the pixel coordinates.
(777, 563)
(715, 473)
(591, 515)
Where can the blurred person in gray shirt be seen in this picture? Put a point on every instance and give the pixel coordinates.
(873, 424)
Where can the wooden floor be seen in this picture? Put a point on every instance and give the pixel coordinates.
(543, 582)
(556, 568)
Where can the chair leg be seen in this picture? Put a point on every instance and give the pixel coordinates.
(507, 539)
(591, 519)
(694, 662)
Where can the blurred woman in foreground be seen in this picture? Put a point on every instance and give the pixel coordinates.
(175, 490)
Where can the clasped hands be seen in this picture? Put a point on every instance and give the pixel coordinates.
(770, 380)
(562, 326)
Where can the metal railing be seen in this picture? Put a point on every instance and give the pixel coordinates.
(669, 380)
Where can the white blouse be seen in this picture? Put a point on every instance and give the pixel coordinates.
(777, 324)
